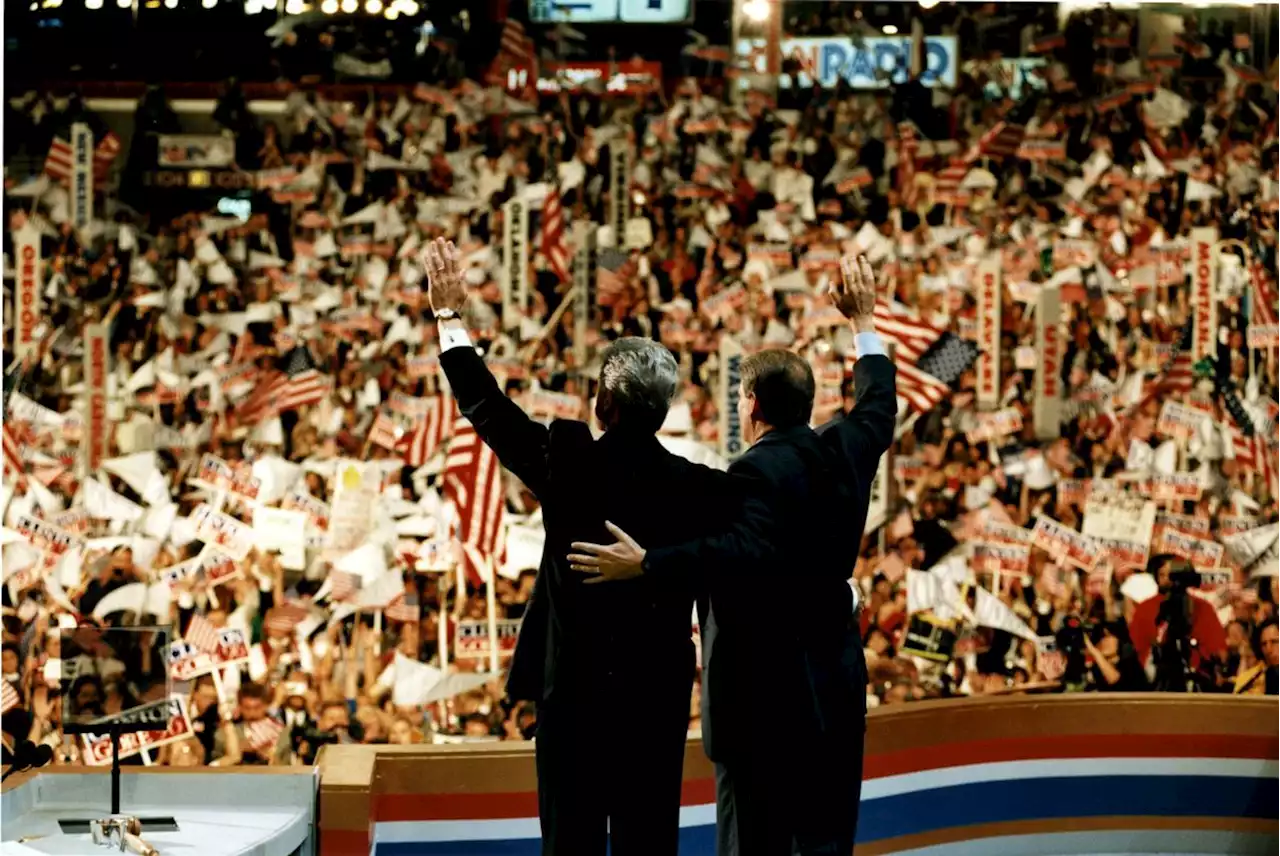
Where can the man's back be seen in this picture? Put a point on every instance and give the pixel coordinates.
(634, 482)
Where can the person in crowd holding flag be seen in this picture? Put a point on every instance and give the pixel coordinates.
(583, 648)
(806, 499)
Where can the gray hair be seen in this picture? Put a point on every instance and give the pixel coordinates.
(638, 379)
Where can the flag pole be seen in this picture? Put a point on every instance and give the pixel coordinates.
(569, 296)
(491, 614)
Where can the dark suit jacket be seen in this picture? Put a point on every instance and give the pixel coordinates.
(638, 630)
(778, 629)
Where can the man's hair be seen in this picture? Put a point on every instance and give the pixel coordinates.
(638, 379)
(783, 386)
(1255, 638)
(252, 690)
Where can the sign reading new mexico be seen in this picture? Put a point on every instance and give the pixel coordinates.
(835, 57)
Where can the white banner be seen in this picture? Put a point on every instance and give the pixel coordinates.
(170, 721)
(878, 500)
(29, 274)
(1047, 413)
(988, 286)
(584, 296)
(731, 444)
(81, 175)
(95, 386)
(1204, 298)
(868, 62)
(619, 189)
(515, 255)
(196, 151)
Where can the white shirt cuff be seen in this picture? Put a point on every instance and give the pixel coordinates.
(857, 595)
(869, 345)
(453, 337)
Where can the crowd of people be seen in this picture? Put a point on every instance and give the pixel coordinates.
(275, 468)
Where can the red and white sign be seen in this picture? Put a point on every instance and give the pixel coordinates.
(471, 641)
(1203, 555)
(170, 721)
(1066, 544)
(543, 404)
(186, 661)
(29, 275)
(224, 532)
(95, 373)
(988, 286)
(1204, 281)
(626, 78)
(1046, 415)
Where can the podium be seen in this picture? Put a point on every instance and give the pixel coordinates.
(242, 811)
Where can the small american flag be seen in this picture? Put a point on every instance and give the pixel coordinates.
(263, 734)
(404, 608)
(908, 145)
(473, 483)
(202, 634)
(343, 585)
(948, 358)
(305, 385)
(1262, 298)
(514, 49)
(58, 164)
(282, 619)
(264, 401)
(614, 269)
(432, 431)
(9, 698)
(384, 432)
(12, 451)
(1001, 141)
(553, 246)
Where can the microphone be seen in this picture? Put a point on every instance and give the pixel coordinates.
(28, 756)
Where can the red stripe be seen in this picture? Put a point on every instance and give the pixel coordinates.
(497, 806)
(1101, 746)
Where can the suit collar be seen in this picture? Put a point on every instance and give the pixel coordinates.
(783, 435)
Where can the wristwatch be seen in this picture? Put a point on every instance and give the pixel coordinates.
(445, 314)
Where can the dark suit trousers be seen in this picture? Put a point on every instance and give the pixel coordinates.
(610, 766)
(789, 796)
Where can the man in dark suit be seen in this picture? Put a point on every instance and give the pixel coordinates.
(610, 667)
(774, 638)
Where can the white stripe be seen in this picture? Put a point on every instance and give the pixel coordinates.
(499, 829)
(1004, 771)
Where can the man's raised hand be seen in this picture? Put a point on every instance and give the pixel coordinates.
(855, 295)
(445, 286)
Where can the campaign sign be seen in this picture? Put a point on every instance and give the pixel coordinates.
(186, 661)
(472, 641)
(168, 720)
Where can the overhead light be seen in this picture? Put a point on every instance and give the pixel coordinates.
(171, 4)
(124, 4)
(268, 4)
(890, 30)
(756, 10)
(329, 7)
(928, 4)
(93, 4)
(393, 12)
(409, 7)
(295, 7)
(208, 4)
(350, 6)
(252, 7)
(373, 7)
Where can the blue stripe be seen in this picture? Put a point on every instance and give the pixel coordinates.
(978, 803)
(1083, 796)
(694, 841)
